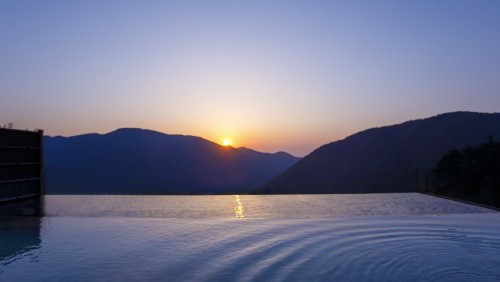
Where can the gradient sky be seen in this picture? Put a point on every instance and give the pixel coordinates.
(271, 75)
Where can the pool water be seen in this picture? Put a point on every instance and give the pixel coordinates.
(377, 237)
(254, 206)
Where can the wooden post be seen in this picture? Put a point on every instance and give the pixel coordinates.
(42, 165)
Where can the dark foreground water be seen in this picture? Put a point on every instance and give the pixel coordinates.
(383, 237)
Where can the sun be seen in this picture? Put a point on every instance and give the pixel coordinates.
(227, 142)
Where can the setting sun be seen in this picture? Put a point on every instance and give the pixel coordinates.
(227, 142)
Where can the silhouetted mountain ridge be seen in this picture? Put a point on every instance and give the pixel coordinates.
(140, 161)
(394, 158)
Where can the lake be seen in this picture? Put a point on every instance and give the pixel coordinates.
(369, 237)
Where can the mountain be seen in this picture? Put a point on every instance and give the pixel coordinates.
(138, 161)
(395, 158)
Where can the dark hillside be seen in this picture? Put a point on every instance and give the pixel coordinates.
(472, 174)
(395, 158)
(137, 161)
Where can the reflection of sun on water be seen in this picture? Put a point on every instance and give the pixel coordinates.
(238, 209)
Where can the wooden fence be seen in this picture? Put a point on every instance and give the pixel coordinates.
(21, 164)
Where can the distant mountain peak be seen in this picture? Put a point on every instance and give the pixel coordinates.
(130, 130)
(394, 158)
(141, 161)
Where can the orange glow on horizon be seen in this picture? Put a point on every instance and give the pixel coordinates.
(227, 142)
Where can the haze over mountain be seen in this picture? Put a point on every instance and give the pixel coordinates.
(394, 158)
(138, 161)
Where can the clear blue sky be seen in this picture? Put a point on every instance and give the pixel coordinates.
(271, 75)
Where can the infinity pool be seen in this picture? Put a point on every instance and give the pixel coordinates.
(377, 237)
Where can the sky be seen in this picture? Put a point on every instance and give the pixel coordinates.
(270, 75)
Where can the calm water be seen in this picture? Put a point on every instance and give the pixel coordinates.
(382, 237)
(253, 206)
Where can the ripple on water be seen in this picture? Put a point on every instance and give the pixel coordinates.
(390, 249)
(457, 247)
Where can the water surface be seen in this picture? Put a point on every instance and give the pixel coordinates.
(382, 237)
(255, 206)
